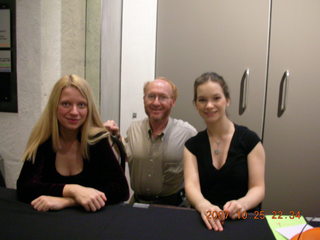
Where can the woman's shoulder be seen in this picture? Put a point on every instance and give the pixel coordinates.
(46, 145)
(246, 137)
(244, 131)
(43, 151)
(197, 138)
(241, 128)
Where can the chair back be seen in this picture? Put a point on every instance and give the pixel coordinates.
(2, 182)
(119, 150)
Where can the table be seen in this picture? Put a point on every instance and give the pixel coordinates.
(122, 221)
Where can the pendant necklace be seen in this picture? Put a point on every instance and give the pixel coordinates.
(217, 151)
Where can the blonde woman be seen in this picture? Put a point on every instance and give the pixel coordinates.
(68, 160)
(223, 165)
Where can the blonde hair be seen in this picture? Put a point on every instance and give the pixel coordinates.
(47, 126)
(172, 85)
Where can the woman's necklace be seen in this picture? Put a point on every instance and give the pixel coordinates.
(218, 142)
(217, 150)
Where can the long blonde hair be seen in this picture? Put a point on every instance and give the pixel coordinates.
(47, 126)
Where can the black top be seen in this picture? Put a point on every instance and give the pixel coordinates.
(101, 171)
(230, 182)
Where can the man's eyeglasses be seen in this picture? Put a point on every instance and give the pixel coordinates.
(153, 97)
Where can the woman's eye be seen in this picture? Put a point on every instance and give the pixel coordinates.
(82, 105)
(65, 104)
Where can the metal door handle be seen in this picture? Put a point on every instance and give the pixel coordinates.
(282, 102)
(243, 92)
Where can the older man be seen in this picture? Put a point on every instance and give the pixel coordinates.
(155, 147)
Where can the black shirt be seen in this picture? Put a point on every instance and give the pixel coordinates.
(230, 182)
(101, 171)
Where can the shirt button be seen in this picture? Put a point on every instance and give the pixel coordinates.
(151, 160)
(149, 175)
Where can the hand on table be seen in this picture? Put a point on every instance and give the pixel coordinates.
(46, 203)
(91, 199)
(212, 216)
(234, 208)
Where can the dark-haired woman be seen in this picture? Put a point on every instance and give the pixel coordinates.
(224, 165)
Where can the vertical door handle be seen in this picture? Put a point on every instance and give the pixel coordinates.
(243, 92)
(282, 102)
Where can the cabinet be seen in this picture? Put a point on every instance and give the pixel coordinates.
(267, 38)
(292, 140)
(224, 36)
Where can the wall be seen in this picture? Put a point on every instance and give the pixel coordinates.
(138, 57)
(73, 32)
(111, 59)
(41, 60)
(92, 46)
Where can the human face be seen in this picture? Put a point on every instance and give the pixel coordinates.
(158, 100)
(211, 102)
(72, 109)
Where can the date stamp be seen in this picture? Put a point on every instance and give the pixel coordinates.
(292, 215)
(256, 215)
(217, 215)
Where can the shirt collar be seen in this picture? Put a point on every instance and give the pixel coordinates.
(163, 134)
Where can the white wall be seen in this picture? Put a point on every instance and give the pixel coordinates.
(138, 57)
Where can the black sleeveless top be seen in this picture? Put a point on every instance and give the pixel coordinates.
(230, 182)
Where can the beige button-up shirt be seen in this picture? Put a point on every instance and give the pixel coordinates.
(155, 165)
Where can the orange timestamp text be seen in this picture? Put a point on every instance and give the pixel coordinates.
(256, 215)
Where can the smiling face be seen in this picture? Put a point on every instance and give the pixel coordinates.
(72, 109)
(158, 100)
(211, 102)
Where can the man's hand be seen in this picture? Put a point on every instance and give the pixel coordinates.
(112, 127)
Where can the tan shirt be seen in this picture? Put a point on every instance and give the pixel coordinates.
(155, 165)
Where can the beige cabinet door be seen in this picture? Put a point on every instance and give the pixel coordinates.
(224, 36)
(292, 131)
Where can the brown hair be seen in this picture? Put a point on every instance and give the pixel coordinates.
(213, 77)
